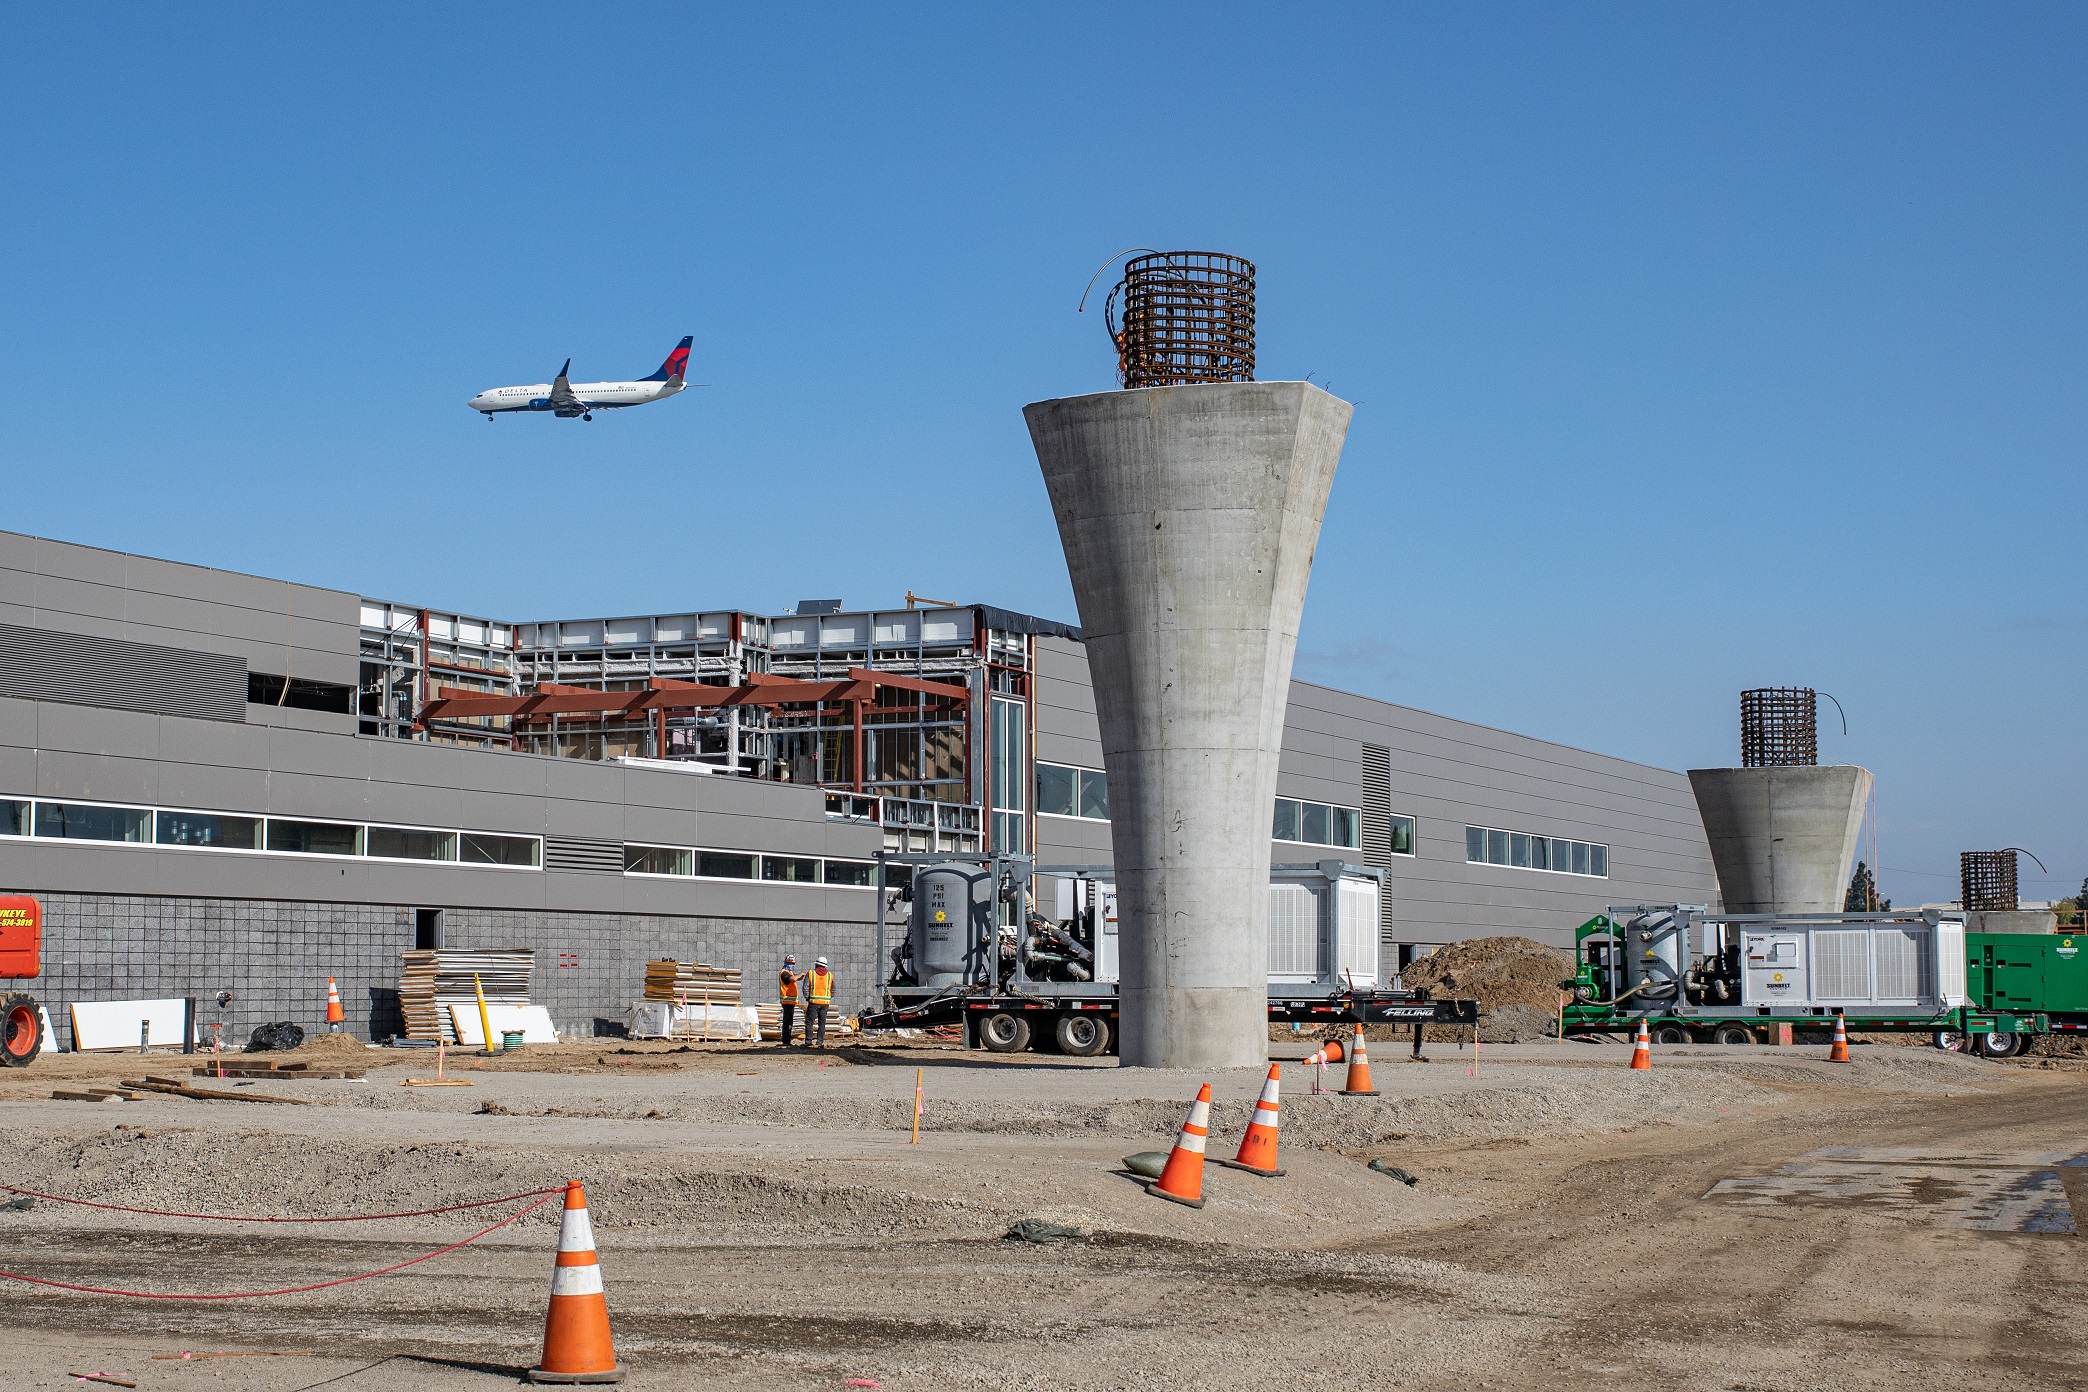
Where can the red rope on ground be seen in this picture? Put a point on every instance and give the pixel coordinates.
(236, 1218)
(287, 1290)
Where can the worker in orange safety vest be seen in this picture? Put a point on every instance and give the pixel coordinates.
(787, 992)
(820, 987)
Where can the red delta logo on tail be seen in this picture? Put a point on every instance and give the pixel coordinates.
(677, 365)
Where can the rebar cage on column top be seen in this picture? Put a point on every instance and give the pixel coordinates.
(1188, 316)
(1779, 727)
(1987, 879)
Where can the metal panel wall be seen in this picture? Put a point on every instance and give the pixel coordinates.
(41, 664)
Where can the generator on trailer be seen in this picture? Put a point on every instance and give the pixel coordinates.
(1690, 973)
(1025, 956)
(21, 959)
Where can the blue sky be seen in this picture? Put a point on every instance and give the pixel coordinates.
(1693, 348)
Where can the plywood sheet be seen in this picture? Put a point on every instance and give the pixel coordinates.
(533, 1020)
(115, 1024)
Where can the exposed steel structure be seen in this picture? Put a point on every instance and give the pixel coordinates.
(1987, 880)
(1779, 727)
(1188, 316)
(660, 695)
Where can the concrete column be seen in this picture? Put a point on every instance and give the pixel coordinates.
(1783, 839)
(1189, 517)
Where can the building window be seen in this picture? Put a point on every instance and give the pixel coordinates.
(73, 821)
(1402, 836)
(724, 865)
(792, 869)
(408, 843)
(480, 848)
(848, 872)
(1524, 851)
(332, 697)
(14, 818)
(314, 838)
(1318, 824)
(659, 860)
(209, 829)
(1064, 790)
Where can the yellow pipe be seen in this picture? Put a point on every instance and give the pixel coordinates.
(485, 1015)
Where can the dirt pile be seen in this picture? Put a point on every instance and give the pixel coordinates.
(342, 1047)
(1515, 980)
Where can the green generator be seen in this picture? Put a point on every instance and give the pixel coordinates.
(2030, 973)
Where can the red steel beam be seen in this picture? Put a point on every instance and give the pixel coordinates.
(762, 689)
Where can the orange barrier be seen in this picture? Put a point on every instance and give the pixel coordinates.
(1258, 1147)
(1642, 1048)
(1181, 1181)
(577, 1347)
(1358, 1084)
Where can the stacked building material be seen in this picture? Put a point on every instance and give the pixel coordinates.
(431, 981)
(669, 980)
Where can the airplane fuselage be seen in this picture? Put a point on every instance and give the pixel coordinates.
(593, 396)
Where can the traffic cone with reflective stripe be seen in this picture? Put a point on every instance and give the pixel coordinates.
(333, 1006)
(1329, 1052)
(1258, 1147)
(1358, 1084)
(1839, 1051)
(1182, 1178)
(1642, 1048)
(577, 1347)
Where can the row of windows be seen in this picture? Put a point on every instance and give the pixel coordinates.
(1066, 791)
(744, 865)
(1522, 851)
(228, 831)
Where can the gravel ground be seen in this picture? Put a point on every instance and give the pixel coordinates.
(765, 1222)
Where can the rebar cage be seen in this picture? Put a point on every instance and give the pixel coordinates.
(1987, 879)
(1779, 727)
(1188, 316)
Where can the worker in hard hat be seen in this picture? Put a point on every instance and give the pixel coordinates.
(787, 993)
(819, 986)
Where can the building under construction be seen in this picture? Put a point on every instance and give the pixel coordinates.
(222, 782)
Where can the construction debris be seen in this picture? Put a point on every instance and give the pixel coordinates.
(177, 1087)
(93, 1094)
(250, 1068)
(1406, 1177)
(1040, 1232)
(274, 1037)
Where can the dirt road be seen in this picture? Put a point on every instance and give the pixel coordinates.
(1739, 1219)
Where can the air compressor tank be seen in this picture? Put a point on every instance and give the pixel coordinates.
(951, 924)
(1656, 955)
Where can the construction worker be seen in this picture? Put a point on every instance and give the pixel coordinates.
(820, 987)
(787, 992)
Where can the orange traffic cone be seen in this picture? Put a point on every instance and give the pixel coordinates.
(1182, 1178)
(1642, 1048)
(1358, 1084)
(576, 1327)
(333, 1005)
(1329, 1052)
(1258, 1147)
(1839, 1053)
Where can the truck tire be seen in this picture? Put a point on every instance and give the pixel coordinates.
(1004, 1032)
(21, 1029)
(1083, 1033)
(2000, 1046)
(1950, 1040)
(1671, 1034)
(1732, 1034)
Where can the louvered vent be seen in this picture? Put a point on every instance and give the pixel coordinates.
(42, 664)
(1377, 823)
(584, 855)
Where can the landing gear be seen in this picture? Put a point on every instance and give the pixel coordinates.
(587, 415)
(489, 417)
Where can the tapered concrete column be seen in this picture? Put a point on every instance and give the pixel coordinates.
(1189, 517)
(1783, 839)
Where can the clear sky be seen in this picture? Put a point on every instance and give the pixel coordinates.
(1693, 347)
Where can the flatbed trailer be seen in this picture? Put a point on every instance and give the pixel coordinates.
(1753, 975)
(1086, 1024)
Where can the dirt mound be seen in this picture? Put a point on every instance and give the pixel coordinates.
(1495, 972)
(333, 1046)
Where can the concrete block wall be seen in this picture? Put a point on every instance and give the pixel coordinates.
(275, 956)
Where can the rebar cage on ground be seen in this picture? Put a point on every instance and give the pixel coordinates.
(1188, 316)
(1779, 726)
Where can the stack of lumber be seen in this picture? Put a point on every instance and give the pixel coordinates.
(244, 1066)
(669, 980)
(432, 981)
(772, 1022)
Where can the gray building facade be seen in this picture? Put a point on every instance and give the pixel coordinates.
(188, 783)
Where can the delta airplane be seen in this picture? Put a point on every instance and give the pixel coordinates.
(563, 399)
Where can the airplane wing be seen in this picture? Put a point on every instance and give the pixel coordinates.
(562, 397)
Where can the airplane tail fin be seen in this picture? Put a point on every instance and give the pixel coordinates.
(677, 365)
